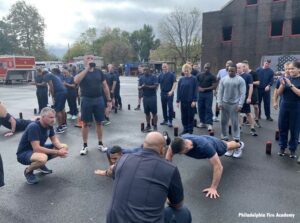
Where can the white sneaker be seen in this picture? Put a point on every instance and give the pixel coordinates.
(238, 153)
(102, 148)
(74, 117)
(209, 128)
(69, 116)
(84, 151)
(215, 119)
(229, 153)
(201, 125)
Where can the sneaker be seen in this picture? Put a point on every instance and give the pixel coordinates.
(74, 117)
(69, 116)
(225, 139)
(30, 177)
(64, 126)
(201, 125)
(242, 145)
(148, 129)
(215, 119)
(170, 124)
(102, 148)
(45, 170)
(229, 153)
(167, 138)
(253, 132)
(59, 130)
(238, 153)
(209, 128)
(257, 124)
(293, 155)
(137, 108)
(106, 122)
(84, 150)
(270, 119)
(281, 152)
(164, 123)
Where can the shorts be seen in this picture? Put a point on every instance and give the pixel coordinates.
(221, 147)
(150, 105)
(25, 157)
(254, 99)
(60, 101)
(22, 124)
(141, 93)
(92, 108)
(246, 108)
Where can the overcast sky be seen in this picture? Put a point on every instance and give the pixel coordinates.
(66, 19)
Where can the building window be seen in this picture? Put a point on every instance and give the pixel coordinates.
(227, 33)
(277, 28)
(251, 2)
(296, 26)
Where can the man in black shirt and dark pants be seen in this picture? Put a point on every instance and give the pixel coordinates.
(142, 183)
(91, 82)
(207, 82)
(41, 89)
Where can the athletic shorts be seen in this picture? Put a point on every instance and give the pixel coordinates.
(246, 108)
(25, 157)
(60, 101)
(141, 93)
(221, 147)
(92, 108)
(150, 105)
(254, 99)
(22, 124)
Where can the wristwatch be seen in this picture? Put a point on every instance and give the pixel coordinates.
(291, 86)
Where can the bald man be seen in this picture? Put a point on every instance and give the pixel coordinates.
(9, 122)
(147, 180)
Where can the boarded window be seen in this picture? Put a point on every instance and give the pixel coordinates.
(227, 33)
(277, 28)
(251, 2)
(296, 26)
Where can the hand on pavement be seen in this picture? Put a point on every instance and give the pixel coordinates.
(211, 193)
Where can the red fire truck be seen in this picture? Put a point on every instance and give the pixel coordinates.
(16, 68)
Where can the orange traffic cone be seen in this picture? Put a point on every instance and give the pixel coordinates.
(79, 123)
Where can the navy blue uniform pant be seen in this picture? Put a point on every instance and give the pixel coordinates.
(42, 97)
(266, 97)
(187, 116)
(167, 106)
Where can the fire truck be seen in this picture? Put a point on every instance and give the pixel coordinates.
(16, 68)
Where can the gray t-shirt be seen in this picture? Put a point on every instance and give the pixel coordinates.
(232, 90)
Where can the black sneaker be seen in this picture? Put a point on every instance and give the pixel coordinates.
(59, 130)
(164, 123)
(167, 138)
(45, 170)
(270, 119)
(148, 129)
(30, 177)
(137, 108)
(253, 132)
(281, 152)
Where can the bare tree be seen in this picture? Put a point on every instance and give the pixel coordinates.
(181, 30)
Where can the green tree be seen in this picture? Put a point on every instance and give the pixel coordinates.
(143, 41)
(6, 41)
(77, 49)
(26, 24)
(181, 30)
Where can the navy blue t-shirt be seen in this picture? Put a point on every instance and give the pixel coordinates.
(187, 89)
(110, 78)
(288, 95)
(265, 77)
(148, 80)
(70, 80)
(248, 80)
(21, 124)
(41, 79)
(166, 81)
(58, 85)
(205, 147)
(91, 85)
(34, 132)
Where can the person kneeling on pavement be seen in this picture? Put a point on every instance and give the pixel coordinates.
(33, 150)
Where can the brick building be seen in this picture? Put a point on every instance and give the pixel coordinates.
(254, 30)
